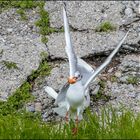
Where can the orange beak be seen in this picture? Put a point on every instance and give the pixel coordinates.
(72, 80)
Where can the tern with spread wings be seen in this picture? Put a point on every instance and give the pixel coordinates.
(74, 96)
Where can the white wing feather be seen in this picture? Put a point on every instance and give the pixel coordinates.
(69, 48)
(51, 92)
(107, 61)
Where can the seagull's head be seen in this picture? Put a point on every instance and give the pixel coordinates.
(75, 78)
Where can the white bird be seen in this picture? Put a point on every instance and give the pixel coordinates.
(74, 97)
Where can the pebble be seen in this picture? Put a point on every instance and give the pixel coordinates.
(38, 107)
(30, 108)
(10, 30)
(128, 12)
(118, 74)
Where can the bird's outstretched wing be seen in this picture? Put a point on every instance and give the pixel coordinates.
(107, 61)
(69, 48)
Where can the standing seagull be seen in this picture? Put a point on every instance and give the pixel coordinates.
(74, 97)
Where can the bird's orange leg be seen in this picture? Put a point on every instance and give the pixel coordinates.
(75, 130)
(67, 118)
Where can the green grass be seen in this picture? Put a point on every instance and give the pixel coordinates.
(105, 27)
(124, 126)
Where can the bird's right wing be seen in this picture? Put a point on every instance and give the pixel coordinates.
(69, 48)
(107, 61)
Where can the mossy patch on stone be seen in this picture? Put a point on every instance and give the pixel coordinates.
(133, 80)
(10, 65)
(105, 27)
(23, 94)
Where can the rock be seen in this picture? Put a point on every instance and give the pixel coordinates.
(89, 14)
(125, 94)
(85, 44)
(58, 76)
(130, 63)
(21, 46)
(38, 107)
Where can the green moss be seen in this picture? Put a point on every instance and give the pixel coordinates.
(17, 100)
(44, 24)
(44, 39)
(133, 80)
(44, 55)
(21, 12)
(21, 6)
(42, 71)
(1, 52)
(4, 4)
(10, 65)
(105, 27)
(24, 4)
(100, 95)
(113, 78)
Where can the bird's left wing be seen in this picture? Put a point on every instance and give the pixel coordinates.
(69, 48)
(107, 61)
(62, 94)
(51, 92)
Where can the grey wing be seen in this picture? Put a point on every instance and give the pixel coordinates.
(69, 48)
(87, 99)
(62, 94)
(85, 70)
(107, 61)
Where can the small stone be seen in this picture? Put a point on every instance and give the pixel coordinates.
(9, 30)
(38, 107)
(118, 74)
(30, 108)
(110, 70)
(128, 12)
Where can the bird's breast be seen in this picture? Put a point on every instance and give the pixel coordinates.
(75, 95)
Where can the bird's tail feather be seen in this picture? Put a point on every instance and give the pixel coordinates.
(51, 92)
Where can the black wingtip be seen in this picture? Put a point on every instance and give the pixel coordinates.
(64, 4)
